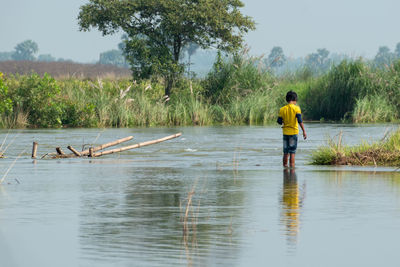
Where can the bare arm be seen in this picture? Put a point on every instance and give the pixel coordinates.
(304, 131)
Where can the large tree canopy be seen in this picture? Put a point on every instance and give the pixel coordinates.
(158, 30)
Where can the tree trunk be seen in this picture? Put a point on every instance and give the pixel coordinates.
(168, 85)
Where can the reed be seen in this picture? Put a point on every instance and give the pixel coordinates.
(10, 167)
(374, 108)
(187, 214)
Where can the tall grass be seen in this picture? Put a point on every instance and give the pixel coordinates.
(335, 94)
(374, 108)
(353, 91)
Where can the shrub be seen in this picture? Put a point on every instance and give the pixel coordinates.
(39, 98)
(6, 105)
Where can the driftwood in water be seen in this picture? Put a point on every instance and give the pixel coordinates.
(63, 156)
(76, 152)
(34, 149)
(91, 152)
(101, 147)
(59, 151)
(136, 145)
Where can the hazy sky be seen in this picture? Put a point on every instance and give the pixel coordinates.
(354, 27)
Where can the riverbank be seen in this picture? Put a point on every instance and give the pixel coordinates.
(235, 92)
(385, 152)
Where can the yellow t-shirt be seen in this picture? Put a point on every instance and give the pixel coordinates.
(288, 114)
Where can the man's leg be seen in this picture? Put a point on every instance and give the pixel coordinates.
(285, 159)
(292, 159)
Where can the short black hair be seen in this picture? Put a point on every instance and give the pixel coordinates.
(291, 96)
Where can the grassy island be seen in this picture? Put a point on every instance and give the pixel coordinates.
(385, 152)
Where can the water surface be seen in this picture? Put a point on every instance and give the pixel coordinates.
(129, 209)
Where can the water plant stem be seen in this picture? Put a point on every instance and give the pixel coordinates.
(11, 166)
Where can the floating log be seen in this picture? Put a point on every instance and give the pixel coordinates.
(114, 143)
(147, 143)
(34, 149)
(76, 152)
(59, 151)
(65, 156)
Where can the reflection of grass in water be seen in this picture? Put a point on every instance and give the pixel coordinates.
(385, 152)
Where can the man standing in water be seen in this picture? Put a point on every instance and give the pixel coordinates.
(289, 115)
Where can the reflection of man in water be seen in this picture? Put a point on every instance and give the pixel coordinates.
(291, 203)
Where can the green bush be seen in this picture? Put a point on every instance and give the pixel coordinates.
(6, 104)
(39, 97)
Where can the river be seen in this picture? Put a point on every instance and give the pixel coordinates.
(217, 196)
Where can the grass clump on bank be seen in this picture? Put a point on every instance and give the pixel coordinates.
(385, 152)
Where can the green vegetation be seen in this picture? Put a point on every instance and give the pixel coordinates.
(357, 92)
(383, 153)
(239, 90)
(158, 31)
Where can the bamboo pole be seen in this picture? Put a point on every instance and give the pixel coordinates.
(114, 143)
(91, 152)
(147, 143)
(34, 149)
(76, 152)
(59, 151)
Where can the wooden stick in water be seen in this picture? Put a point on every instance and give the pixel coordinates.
(136, 145)
(59, 151)
(114, 143)
(91, 152)
(34, 149)
(76, 152)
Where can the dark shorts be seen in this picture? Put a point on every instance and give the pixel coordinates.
(289, 144)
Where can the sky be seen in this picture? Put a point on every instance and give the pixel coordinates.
(300, 27)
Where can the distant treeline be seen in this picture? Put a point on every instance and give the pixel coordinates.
(235, 92)
(199, 62)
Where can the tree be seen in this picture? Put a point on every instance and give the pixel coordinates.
(25, 50)
(276, 58)
(158, 30)
(397, 50)
(113, 57)
(4, 56)
(46, 58)
(319, 61)
(384, 57)
(61, 59)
